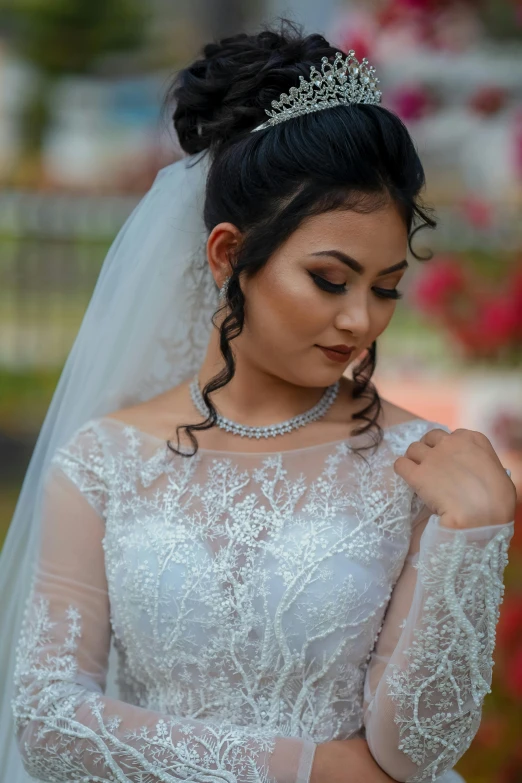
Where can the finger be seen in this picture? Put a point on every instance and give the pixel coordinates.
(432, 437)
(417, 451)
(406, 469)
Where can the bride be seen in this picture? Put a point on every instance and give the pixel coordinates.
(230, 559)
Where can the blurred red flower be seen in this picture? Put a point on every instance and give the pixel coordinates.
(488, 99)
(486, 323)
(509, 628)
(512, 673)
(508, 642)
(477, 211)
(511, 771)
(490, 731)
(516, 299)
(497, 322)
(440, 281)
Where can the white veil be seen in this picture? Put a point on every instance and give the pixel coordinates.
(145, 330)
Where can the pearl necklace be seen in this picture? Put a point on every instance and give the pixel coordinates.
(318, 410)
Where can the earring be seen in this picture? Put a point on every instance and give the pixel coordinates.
(224, 288)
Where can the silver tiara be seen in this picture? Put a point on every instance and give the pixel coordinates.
(344, 81)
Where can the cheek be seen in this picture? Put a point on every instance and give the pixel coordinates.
(381, 315)
(286, 305)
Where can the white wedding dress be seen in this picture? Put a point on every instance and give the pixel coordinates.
(259, 604)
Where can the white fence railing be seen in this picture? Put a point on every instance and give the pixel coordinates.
(52, 247)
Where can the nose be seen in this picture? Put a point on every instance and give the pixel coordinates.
(354, 316)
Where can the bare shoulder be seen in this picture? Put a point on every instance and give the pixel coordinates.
(389, 415)
(159, 414)
(393, 414)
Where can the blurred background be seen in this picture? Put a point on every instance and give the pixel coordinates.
(81, 139)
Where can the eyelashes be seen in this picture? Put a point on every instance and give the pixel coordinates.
(333, 288)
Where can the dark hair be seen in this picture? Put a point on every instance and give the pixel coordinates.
(350, 157)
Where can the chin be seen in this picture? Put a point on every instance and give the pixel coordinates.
(327, 378)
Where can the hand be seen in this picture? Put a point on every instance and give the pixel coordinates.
(346, 761)
(460, 478)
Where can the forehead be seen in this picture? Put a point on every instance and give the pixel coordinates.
(368, 237)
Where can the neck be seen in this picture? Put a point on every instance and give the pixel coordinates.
(255, 396)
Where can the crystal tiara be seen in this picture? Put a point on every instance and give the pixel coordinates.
(344, 81)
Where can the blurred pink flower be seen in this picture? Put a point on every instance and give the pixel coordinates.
(517, 141)
(355, 29)
(437, 24)
(410, 102)
(357, 41)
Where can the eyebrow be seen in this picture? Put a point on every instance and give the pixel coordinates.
(356, 266)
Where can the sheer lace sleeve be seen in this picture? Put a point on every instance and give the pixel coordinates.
(67, 728)
(432, 663)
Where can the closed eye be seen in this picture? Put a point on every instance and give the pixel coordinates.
(388, 293)
(334, 288)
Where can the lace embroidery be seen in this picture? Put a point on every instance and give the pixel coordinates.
(247, 604)
(286, 531)
(439, 693)
(83, 461)
(153, 753)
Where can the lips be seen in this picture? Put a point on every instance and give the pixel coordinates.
(337, 355)
(338, 348)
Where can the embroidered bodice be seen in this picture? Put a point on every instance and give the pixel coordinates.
(258, 604)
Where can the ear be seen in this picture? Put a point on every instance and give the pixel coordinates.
(221, 247)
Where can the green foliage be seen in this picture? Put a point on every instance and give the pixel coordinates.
(62, 37)
(68, 36)
(25, 397)
(501, 19)
(9, 494)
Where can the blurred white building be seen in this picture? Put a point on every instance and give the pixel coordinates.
(100, 126)
(15, 81)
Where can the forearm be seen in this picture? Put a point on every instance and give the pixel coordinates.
(427, 706)
(346, 761)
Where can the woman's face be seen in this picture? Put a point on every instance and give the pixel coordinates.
(324, 286)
